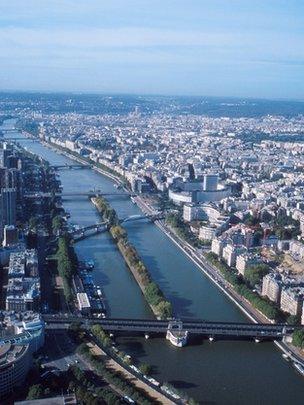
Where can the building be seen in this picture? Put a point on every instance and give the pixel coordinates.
(230, 253)
(207, 232)
(83, 303)
(8, 206)
(217, 246)
(16, 266)
(245, 260)
(296, 249)
(198, 191)
(210, 182)
(272, 287)
(23, 288)
(23, 263)
(193, 212)
(31, 263)
(22, 334)
(15, 362)
(292, 300)
(68, 399)
(23, 294)
(10, 235)
(302, 317)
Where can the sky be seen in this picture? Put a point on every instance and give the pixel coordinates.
(239, 48)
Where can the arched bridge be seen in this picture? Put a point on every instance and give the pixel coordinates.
(138, 217)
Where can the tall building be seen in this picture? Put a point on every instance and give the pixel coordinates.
(210, 182)
(5, 152)
(8, 206)
(272, 287)
(292, 300)
(244, 261)
(10, 235)
(193, 212)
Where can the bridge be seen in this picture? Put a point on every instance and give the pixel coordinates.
(71, 166)
(87, 231)
(88, 194)
(8, 130)
(152, 217)
(227, 330)
(16, 139)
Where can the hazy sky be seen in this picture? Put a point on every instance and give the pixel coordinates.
(203, 47)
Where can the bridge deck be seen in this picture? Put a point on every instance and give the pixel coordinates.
(234, 330)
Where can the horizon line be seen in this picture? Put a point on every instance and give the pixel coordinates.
(101, 93)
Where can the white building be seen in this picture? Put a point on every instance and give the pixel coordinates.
(292, 300)
(244, 261)
(230, 253)
(272, 287)
(217, 246)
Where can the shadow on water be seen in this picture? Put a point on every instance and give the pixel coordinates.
(179, 384)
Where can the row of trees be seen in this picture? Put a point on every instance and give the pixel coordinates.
(105, 342)
(113, 377)
(57, 224)
(254, 274)
(88, 391)
(108, 213)
(175, 221)
(152, 292)
(66, 265)
(263, 305)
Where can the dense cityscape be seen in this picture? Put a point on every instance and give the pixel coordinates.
(226, 190)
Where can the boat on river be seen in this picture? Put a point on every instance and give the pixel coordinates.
(299, 367)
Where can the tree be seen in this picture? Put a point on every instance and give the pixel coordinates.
(33, 223)
(57, 224)
(35, 392)
(293, 320)
(298, 338)
(164, 308)
(145, 368)
(254, 274)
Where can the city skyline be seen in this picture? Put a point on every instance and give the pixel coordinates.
(204, 49)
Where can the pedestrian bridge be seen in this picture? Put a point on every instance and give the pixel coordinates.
(227, 330)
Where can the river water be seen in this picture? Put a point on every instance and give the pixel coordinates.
(221, 372)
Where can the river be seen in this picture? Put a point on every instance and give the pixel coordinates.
(221, 372)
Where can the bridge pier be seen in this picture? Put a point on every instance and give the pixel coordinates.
(176, 334)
